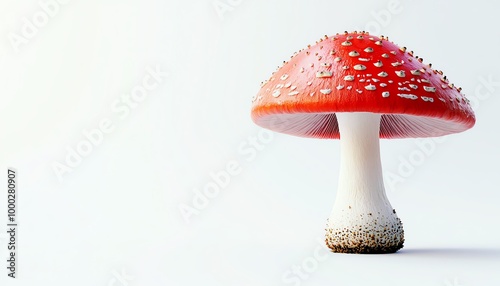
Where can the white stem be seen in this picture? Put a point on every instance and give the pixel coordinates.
(360, 178)
(362, 219)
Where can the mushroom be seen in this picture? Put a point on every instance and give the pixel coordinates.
(370, 88)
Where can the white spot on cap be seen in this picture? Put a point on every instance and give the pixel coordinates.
(359, 67)
(378, 64)
(396, 64)
(284, 77)
(293, 87)
(353, 54)
(309, 82)
(323, 74)
(337, 59)
(362, 80)
(364, 59)
(339, 87)
(401, 73)
(385, 55)
(383, 84)
(406, 95)
(429, 88)
(288, 84)
(349, 37)
(429, 99)
(302, 70)
(370, 87)
(349, 87)
(326, 64)
(359, 37)
(415, 72)
(280, 85)
(325, 91)
(442, 99)
(345, 67)
(393, 52)
(444, 86)
(311, 94)
(385, 94)
(425, 80)
(375, 79)
(382, 74)
(276, 93)
(378, 43)
(349, 78)
(414, 86)
(390, 81)
(404, 88)
(369, 50)
(346, 43)
(293, 93)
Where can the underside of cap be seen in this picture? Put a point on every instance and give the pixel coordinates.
(357, 72)
(325, 126)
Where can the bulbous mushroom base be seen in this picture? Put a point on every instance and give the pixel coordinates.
(371, 235)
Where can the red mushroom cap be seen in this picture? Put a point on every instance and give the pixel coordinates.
(357, 72)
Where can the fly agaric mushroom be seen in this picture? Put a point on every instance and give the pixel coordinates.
(358, 88)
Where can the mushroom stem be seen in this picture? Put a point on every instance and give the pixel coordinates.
(362, 219)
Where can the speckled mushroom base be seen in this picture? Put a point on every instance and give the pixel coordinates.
(371, 234)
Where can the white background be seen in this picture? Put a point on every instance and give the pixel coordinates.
(115, 219)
